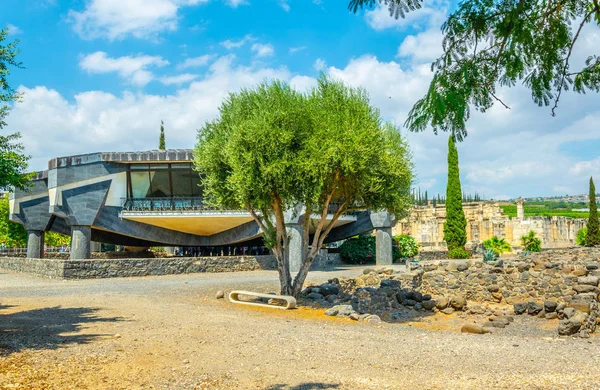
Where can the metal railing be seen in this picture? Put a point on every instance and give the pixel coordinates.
(167, 204)
(16, 251)
(187, 204)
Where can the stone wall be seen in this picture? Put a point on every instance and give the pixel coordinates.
(127, 267)
(563, 275)
(484, 220)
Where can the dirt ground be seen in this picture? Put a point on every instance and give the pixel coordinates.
(170, 332)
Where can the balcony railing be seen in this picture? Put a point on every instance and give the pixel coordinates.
(186, 204)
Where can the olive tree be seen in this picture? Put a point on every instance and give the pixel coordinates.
(275, 151)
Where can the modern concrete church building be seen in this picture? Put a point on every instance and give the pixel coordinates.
(149, 198)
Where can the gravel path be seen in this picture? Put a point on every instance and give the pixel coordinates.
(169, 332)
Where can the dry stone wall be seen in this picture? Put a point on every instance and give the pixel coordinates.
(563, 275)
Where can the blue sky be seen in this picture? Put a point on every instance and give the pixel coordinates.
(101, 74)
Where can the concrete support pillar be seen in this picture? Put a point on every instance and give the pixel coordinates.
(35, 244)
(81, 238)
(383, 246)
(296, 246)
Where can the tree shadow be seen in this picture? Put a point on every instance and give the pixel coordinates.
(305, 386)
(47, 328)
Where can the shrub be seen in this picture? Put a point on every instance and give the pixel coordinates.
(489, 256)
(358, 250)
(458, 253)
(407, 247)
(581, 236)
(498, 245)
(531, 243)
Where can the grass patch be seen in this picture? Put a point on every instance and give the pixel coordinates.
(535, 210)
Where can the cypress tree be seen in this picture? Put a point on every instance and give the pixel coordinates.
(161, 140)
(593, 226)
(455, 226)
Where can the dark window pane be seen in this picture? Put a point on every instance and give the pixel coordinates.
(159, 184)
(140, 184)
(138, 167)
(196, 189)
(182, 182)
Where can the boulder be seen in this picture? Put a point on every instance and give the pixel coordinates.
(442, 303)
(568, 326)
(390, 283)
(581, 306)
(220, 294)
(473, 328)
(354, 316)
(493, 288)
(426, 297)
(494, 324)
(447, 310)
(462, 266)
(372, 318)
(522, 267)
(367, 271)
(584, 288)
(410, 302)
(315, 296)
(458, 302)
(550, 306)
(579, 272)
(591, 280)
(344, 310)
(590, 266)
(401, 297)
(520, 307)
(416, 296)
(332, 311)
(551, 316)
(327, 289)
(429, 305)
(534, 308)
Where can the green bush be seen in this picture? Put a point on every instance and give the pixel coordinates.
(358, 250)
(405, 246)
(581, 236)
(458, 253)
(530, 242)
(498, 245)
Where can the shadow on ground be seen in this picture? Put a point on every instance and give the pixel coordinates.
(305, 386)
(47, 328)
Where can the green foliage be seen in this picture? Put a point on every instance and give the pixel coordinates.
(489, 256)
(54, 239)
(455, 226)
(498, 245)
(358, 250)
(161, 140)
(500, 43)
(407, 246)
(11, 233)
(273, 148)
(530, 242)
(13, 162)
(581, 235)
(459, 253)
(592, 236)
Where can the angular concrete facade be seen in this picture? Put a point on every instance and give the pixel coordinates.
(147, 199)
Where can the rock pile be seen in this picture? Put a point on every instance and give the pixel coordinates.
(376, 293)
(580, 319)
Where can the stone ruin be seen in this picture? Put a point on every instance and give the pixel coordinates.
(552, 284)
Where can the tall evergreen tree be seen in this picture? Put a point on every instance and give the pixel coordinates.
(161, 141)
(455, 226)
(593, 226)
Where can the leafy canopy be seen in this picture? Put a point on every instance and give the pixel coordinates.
(531, 243)
(497, 245)
(494, 43)
(279, 153)
(13, 162)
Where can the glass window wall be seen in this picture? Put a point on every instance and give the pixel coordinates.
(163, 181)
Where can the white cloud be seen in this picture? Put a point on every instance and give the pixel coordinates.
(178, 79)
(293, 50)
(423, 47)
(13, 30)
(196, 62)
(131, 68)
(95, 121)
(263, 50)
(285, 4)
(116, 19)
(231, 44)
(320, 65)
(236, 3)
